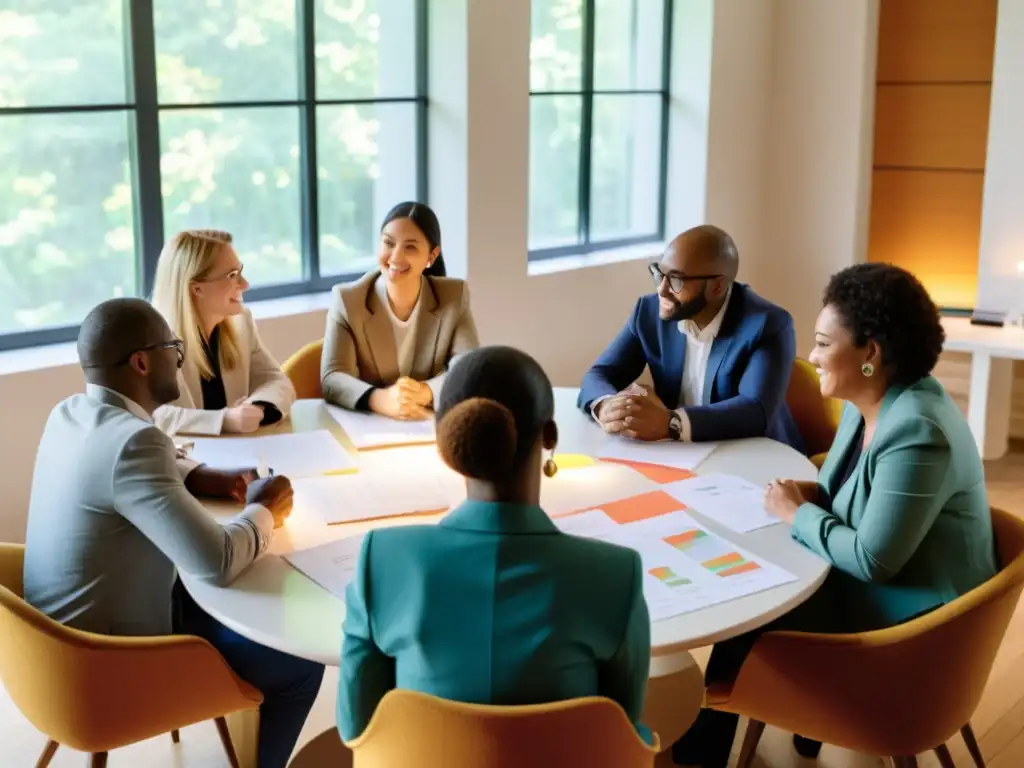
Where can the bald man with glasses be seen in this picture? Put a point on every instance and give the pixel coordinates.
(719, 354)
(114, 515)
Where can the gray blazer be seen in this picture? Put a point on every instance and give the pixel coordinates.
(110, 519)
(359, 343)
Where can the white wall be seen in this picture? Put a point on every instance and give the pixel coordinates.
(1002, 215)
(819, 145)
(770, 99)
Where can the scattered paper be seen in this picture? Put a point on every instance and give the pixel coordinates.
(590, 525)
(332, 565)
(366, 495)
(686, 567)
(370, 430)
(726, 499)
(299, 454)
(666, 453)
(574, 490)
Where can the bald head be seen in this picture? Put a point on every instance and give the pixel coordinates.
(704, 250)
(694, 274)
(117, 328)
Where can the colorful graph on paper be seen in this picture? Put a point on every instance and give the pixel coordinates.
(668, 577)
(707, 550)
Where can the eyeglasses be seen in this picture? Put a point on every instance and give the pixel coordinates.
(235, 276)
(676, 281)
(176, 344)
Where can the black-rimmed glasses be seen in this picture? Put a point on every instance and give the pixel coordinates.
(676, 281)
(176, 344)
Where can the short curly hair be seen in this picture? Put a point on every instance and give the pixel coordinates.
(888, 305)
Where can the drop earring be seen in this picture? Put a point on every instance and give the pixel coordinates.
(550, 469)
(868, 370)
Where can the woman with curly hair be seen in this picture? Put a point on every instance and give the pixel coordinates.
(900, 508)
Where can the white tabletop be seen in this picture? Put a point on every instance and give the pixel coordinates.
(999, 341)
(275, 605)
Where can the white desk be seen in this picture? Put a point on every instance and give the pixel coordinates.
(992, 351)
(277, 606)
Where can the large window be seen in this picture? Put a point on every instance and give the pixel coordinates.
(598, 123)
(293, 124)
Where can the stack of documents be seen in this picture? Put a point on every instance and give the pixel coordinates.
(331, 565)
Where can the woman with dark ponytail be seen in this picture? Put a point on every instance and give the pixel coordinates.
(494, 605)
(392, 334)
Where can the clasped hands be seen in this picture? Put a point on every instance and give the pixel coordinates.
(406, 399)
(635, 412)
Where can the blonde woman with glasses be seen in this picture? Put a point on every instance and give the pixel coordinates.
(229, 382)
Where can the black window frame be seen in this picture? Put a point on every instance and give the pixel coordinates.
(142, 110)
(586, 93)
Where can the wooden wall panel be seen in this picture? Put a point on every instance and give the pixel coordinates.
(936, 40)
(929, 222)
(932, 126)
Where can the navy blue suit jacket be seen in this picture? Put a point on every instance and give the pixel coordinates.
(747, 374)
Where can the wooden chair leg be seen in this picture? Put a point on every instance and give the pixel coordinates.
(945, 759)
(175, 736)
(225, 740)
(972, 745)
(753, 735)
(99, 760)
(48, 752)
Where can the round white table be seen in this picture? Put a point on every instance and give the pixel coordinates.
(276, 606)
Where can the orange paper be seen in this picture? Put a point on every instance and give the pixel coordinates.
(655, 472)
(641, 507)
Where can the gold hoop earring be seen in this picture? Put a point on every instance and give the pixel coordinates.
(868, 370)
(550, 469)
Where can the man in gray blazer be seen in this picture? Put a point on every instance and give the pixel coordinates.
(112, 516)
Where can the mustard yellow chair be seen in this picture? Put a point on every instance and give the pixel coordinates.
(415, 730)
(303, 370)
(817, 417)
(893, 692)
(96, 693)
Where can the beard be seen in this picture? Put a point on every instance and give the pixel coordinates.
(685, 310)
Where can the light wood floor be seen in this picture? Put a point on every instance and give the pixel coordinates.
(998, 721)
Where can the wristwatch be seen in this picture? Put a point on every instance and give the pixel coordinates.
(675, 426)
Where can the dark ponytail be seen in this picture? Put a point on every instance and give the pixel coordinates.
(425, 219)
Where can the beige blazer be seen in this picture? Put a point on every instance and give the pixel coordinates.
(359, 343)
(256, 378)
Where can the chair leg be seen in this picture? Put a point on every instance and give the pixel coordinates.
(753, 735)
(972, 745)
(945, 759)
(48, 752)
(175, 736)
(99, 760)
(225, 739)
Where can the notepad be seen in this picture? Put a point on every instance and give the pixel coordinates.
(300, 454)
(370, 430)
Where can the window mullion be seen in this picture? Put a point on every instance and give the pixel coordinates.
(307, 140)
(586, 119)
(666, 103)
(145, 150)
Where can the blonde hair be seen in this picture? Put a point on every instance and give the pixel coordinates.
(187, 257)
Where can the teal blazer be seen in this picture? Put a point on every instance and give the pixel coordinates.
(494, 605)
(910, 529)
